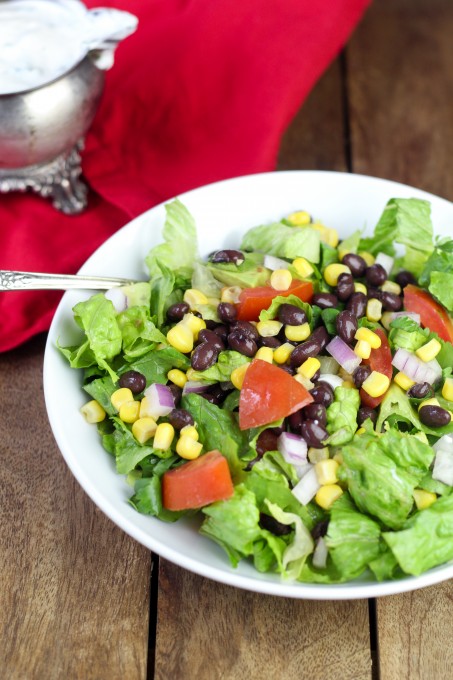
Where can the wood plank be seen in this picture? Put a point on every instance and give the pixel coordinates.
(74, 597)
(400, 83)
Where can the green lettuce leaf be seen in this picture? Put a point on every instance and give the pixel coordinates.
(437, 274)
(441, 286)
(228, 360)
(180, 247)
(139, 333)
(249, 274)
(342, 416)
(312, 311)
(301, 546)
(283, 241)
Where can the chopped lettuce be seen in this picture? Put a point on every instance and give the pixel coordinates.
(250, 273)
(227, 361)
(283, 241)
(179, 250)
(312, 312)
(342, 416)
(437, 274)
(139, 333)
(301, 546)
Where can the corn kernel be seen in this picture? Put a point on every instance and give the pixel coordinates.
(93, 412)
(368, 257)
(423, 499)
(326, 471)
(309, 367)
(366, 334)
(195, 297)
(237, 376)
(391, 287)
(281, 279)
(120, 396)
(265, 354)
(298, 333)
(230, 294)
(305, 382)
(429, 402)
(190, 431)
(429, 351)
(163, 436)
(144, 428)
(327, 495)
(268, 329)
(188, 448)
(376, 384)
(299, 218)
(145, 408)
(190, 373)
(447, 389)
(195, 324)
(362, 349)
(333, 271)
(181, 337)
(403, 381)
(374, 309)
(386, 319)
(303, 267)
(339, 457)
(360, 288)
(177, 377)
(348, 384)
(129, 411)
(316, 455)
(331, 237)
(282, 353)
(361, 430)
(342, 252)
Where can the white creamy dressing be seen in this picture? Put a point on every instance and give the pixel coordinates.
(41, 40)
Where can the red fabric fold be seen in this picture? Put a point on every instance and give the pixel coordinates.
(203, 91)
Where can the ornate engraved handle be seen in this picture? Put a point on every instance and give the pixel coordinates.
(10, 280)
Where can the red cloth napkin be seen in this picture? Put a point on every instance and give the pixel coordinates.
(201, 92)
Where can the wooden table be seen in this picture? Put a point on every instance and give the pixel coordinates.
(80, 599)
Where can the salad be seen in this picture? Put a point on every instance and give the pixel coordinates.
(295, 394)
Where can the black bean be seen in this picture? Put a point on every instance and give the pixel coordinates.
(239, 342)
(356, 264)
(434, 416)
(213, 338)
(227, 312)
(291, 315)
(134, 380)
(375, 275)
(267, 441)
(375, 293)
(309, 348)
(391, 302)
(222, 332)
(176, 392)
(176, 312)
(357, 304)
(345, 287)
(212, 398)
(315, 412)
(403, 278)
(316, 376)
(325, 300)
(321, 335)
(274, 526)
(346, 325)
(322, 393)
(313, 433)
(320, 529)
(295, 421)
(360, 374)
(288, 369)
(420, 391)
(364, 413)
(246, 328)
(218, 392)
(234, 256)
(179, 418)
(204, 356)
(271, 341)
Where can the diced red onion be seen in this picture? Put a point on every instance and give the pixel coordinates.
(308, 486)
(320, 554)
(443, 466)
(333, 380)
(194, 386)
(416, 369)
(293, 448)
(342, 353)
(160, 400)
(271, 262)
(385, 261)
(117, 298)
(410, 315)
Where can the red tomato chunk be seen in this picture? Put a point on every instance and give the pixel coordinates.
(253, 300)
(432, 314)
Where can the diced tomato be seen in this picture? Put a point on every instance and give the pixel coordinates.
(432, 314)
(268, 394)
(253, 300)
(197, 483)
(380, 360)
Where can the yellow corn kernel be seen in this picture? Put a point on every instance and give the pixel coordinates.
(93, 412)
(282, 353)
(303, 267)
(298, 333)
(331, 237)
(339, 457)
(163, 436)
(362, 349)
(361, 430)
(316, 455)
(368, 257)
(129, 411)
(299, 218)
(326, 471)
(333, 271)
(120, 396)
(391, 287)
(429, 351)
(265, 354)
(403, 381)
(348, 384)
(447, 389)
(281, 279)
(376, 384)
(386, 319)
(177, 377)
(360, 288)
(195, 323)
(342, 252)
(187, 447)
(190, 431)
(429, 402)
(374, 309)
(230, 294)
(145, 410)
(144, 428)
(366, 334)
(195, 297)
(268, 329)
(190, 373)
(309, 367)
(181, 337)
(237, 376)
(327, 495)
(305, 382)
(423, 499)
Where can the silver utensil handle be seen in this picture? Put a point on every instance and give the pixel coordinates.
(10, 280)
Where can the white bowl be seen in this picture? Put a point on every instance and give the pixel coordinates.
(223, 211)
